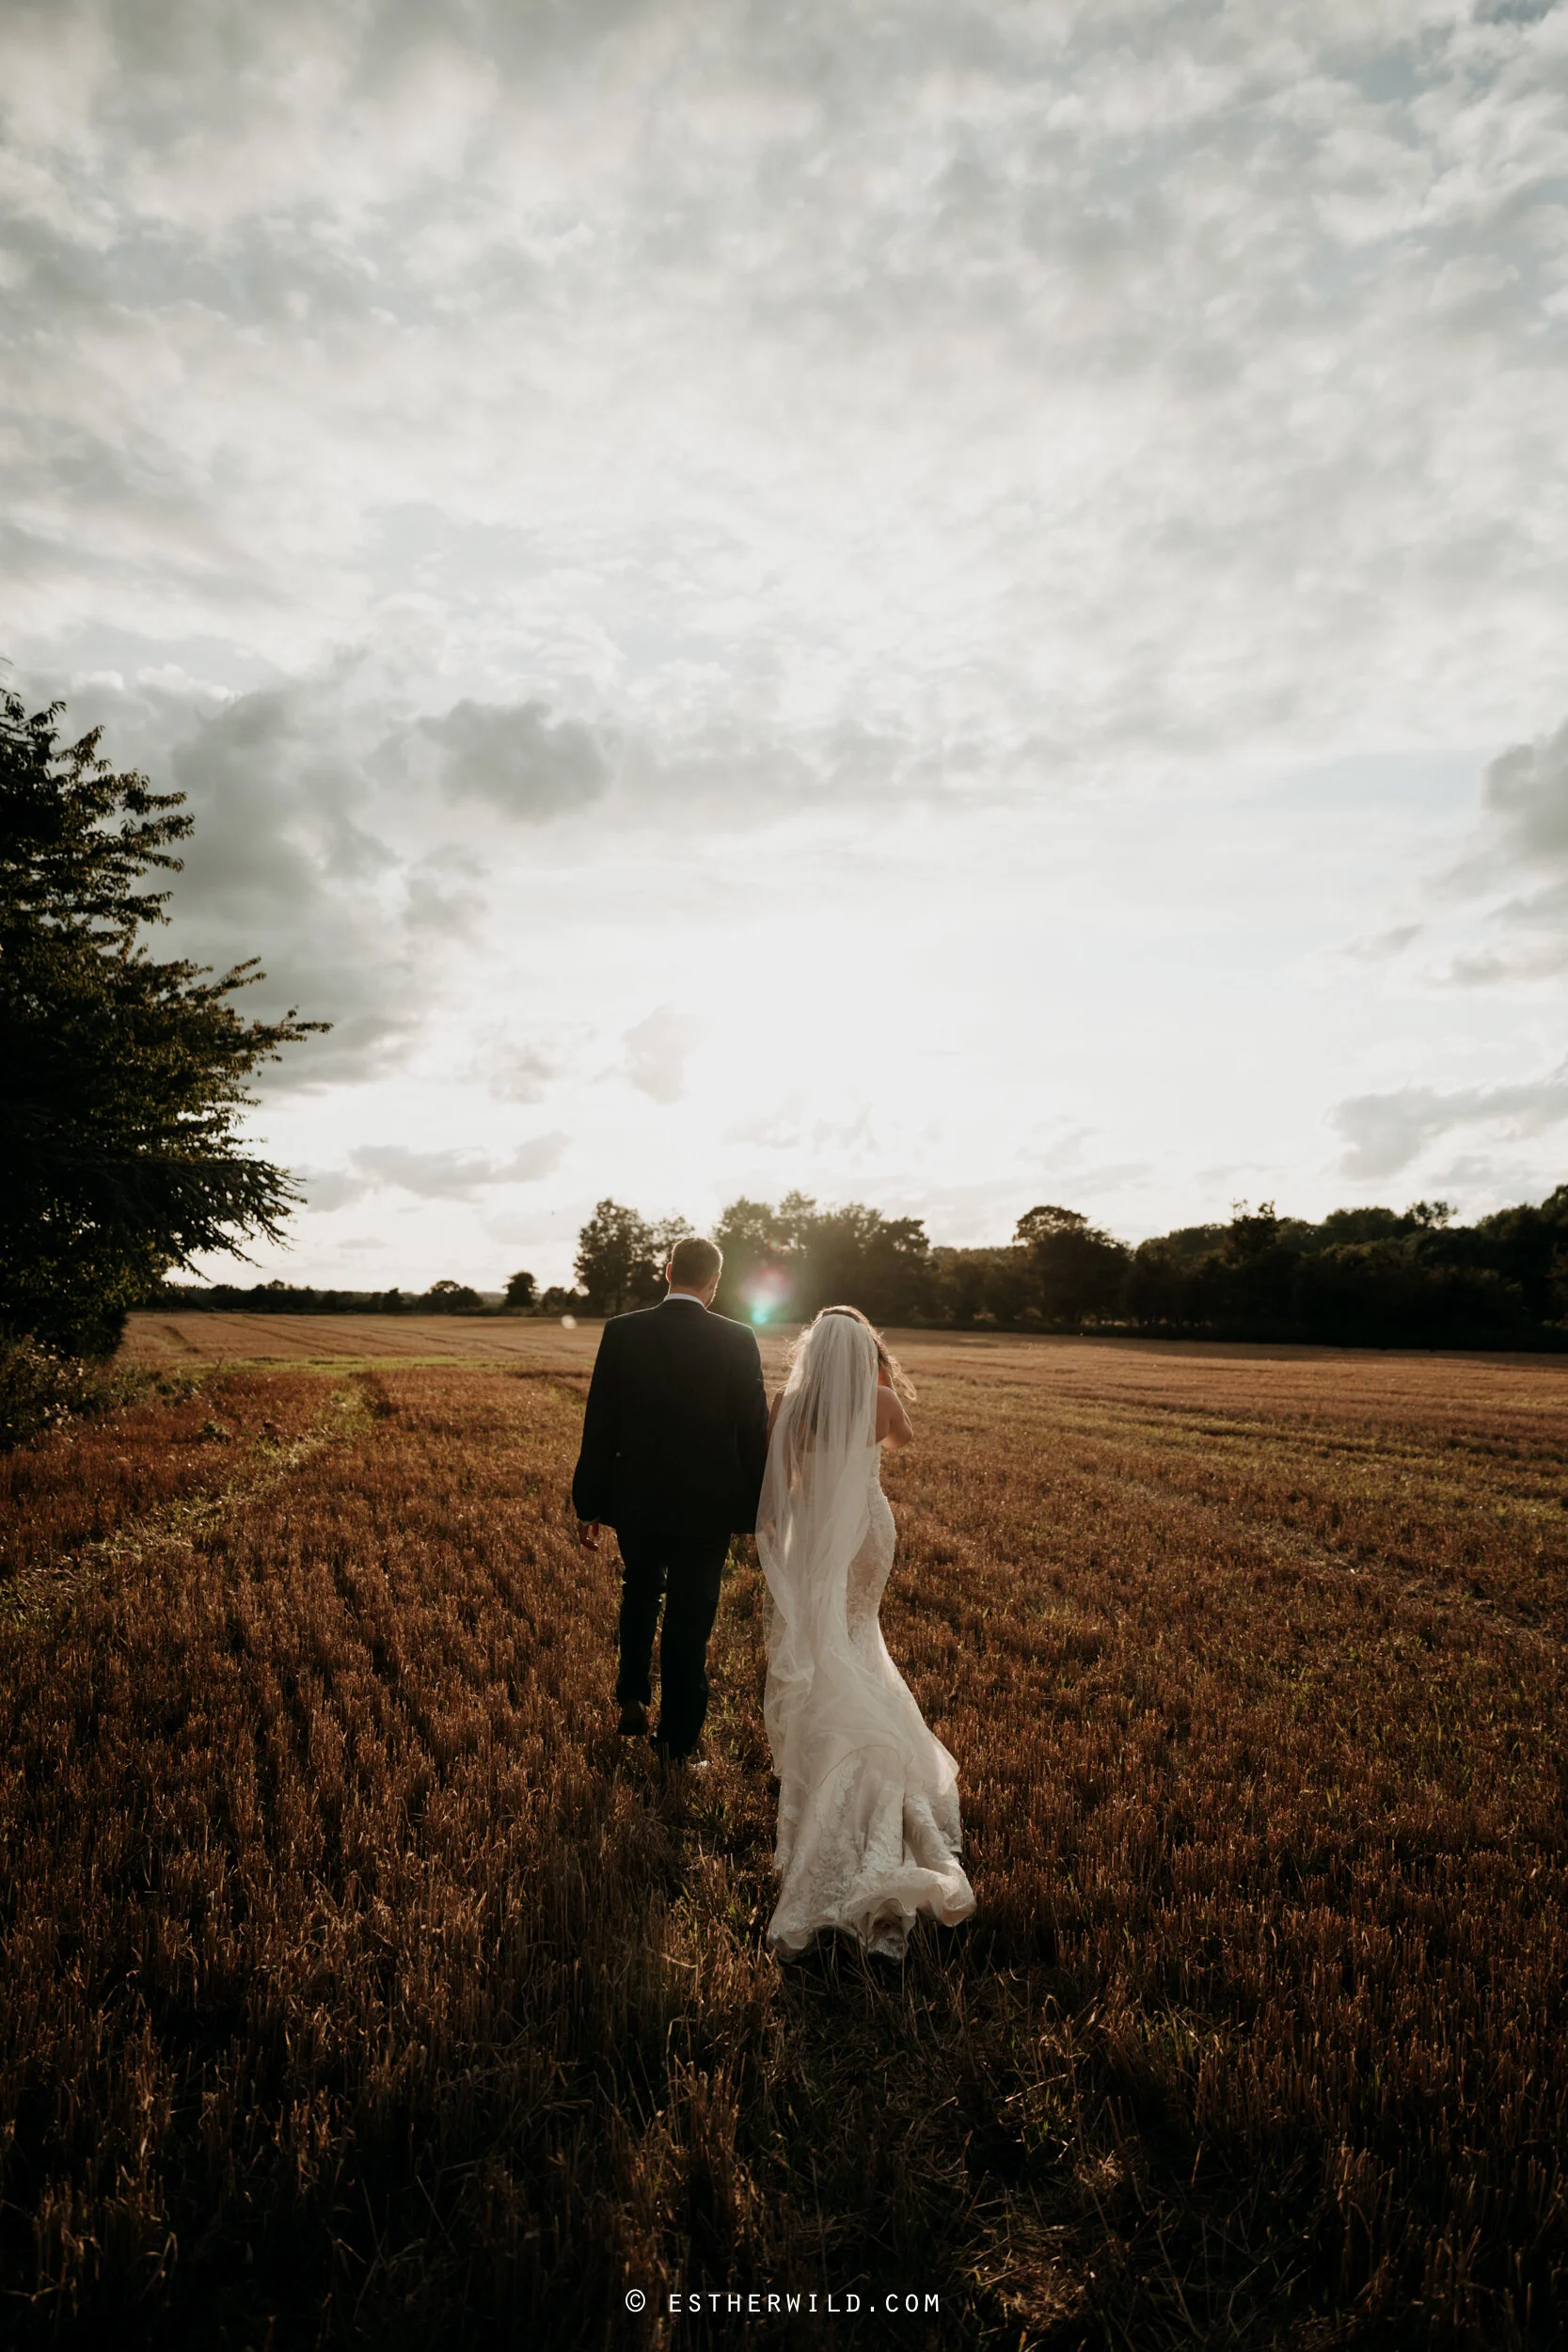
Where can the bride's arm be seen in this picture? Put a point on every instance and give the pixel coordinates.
(893, 1427)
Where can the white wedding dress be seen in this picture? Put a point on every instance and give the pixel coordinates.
(868, 1833)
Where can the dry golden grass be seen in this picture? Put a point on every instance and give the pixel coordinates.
(355, 1980)
(164, 1340)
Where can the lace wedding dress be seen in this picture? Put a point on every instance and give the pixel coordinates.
(868, 1833)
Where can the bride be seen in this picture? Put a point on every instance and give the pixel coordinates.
(868, 1805)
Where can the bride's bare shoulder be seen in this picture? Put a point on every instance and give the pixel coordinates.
(893, 1427)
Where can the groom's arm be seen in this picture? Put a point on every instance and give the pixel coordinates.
(752, 1426)
(601, 1431)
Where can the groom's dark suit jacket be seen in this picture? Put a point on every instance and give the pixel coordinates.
(675, 1435)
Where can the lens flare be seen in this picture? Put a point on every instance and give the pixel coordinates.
(765, 1293)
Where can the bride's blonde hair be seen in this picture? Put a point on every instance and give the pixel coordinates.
(900, 1379)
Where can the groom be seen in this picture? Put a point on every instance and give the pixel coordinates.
(673, 1445)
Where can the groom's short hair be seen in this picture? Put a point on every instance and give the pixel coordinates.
(693, 1264)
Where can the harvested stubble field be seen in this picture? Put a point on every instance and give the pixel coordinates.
(353, 1982)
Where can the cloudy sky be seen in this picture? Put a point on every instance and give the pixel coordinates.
(948, 603)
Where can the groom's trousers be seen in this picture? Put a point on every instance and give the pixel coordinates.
(682, 1572)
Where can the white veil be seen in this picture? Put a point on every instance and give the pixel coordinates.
(861, 1777)
(815, 1509)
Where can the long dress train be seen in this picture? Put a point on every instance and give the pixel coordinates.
(868, 1833)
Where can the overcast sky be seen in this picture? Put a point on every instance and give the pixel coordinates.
(954, 604)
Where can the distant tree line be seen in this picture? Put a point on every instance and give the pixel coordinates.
(1374, 1276)
(1364, 1277)
(291, 1298)
(1370, 1276)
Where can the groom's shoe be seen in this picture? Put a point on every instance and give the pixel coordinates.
(690, 1761)
(634, 1721)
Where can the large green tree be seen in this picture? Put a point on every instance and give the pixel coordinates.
(1076, 1271)
(792, 1260)
(614, 1249)
(621, 1258)
(123, 1080)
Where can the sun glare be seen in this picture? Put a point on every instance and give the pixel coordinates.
(763, 1292)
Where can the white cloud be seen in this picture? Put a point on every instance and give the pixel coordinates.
(1511, 887)
(329, 1188)
(1382, 946)
(292, 858)
(518, 758)
(1525, 804)
(656, 1051)
(457, 1175)
(1385, 1133)
(519, 1069)
(779, 1129)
